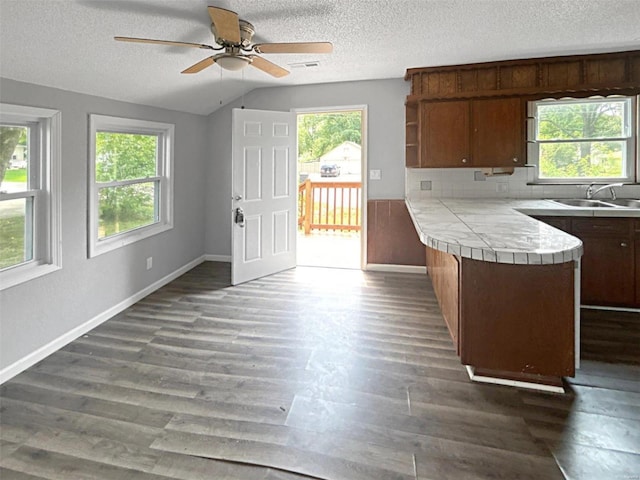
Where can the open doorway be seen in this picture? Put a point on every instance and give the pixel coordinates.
(331, 191)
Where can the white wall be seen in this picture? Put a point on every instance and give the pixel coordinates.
(385, 141)
(38, 312)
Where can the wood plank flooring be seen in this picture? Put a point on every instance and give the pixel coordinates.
(310, 374)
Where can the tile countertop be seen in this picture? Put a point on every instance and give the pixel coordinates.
(500, 230)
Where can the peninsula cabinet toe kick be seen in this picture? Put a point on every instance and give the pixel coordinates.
(512, 324)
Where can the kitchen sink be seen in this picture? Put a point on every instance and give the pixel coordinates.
(625, 202)
(581, 202)
(586, 203)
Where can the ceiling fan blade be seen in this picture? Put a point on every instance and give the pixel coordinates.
(226, 24)
(163, 42)
(299, 47)
(268, 67)
(201, 65)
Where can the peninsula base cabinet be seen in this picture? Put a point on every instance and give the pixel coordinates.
(611, 260)
(509, 321)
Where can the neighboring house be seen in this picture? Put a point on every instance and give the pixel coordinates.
(347, 155)
(19, 157)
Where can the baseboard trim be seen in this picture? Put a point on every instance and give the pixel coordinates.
(34, 357)
(511, 383)
(383, 267)
(217, 258)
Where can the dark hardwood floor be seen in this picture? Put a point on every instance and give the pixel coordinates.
(310, 373)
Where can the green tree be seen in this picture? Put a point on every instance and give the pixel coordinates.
(9, 139)
(318, 133)
(125, 156)
(590, 121)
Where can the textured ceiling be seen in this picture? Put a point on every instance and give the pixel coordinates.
(69, 44)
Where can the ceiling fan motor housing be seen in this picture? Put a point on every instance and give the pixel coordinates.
(247, 31)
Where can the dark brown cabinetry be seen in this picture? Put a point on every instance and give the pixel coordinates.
(610, 263)
(527, 334)
(637, 258)
(445, 134)
(473, 115)
(470, 133)
(497, 132)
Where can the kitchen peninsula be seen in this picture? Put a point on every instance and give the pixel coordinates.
(507, 285)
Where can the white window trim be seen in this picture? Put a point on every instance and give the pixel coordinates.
(633, 158)
(48, 230)
(165, 203)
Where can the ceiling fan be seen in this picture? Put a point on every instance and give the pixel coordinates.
(233, 36)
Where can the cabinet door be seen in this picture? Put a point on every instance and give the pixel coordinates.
(497, 132)
(445, 134)
(637, 279)
(607, 271)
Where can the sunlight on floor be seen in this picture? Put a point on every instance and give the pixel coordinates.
(329, 249)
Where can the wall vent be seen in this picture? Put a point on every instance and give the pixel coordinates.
(311, 64)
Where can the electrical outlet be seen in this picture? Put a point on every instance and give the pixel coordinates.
(425, 185)
(502, 187)
(374, 175)
(149, 263)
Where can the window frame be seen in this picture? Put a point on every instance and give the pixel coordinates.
(632, 152)
(45, 156)
(164, 178)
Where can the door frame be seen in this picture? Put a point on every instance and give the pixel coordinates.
(364, 161)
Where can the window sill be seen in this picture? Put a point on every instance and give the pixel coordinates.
(98, 247)
(25, 273)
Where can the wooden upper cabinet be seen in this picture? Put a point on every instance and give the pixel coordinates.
(473, 115)
(497, 132)
(471, 133)
(445, 138)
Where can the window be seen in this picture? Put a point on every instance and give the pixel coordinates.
(583, 139)
(130, 181)
(29, 198)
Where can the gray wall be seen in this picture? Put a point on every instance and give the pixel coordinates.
(385, 142)
(37, 312)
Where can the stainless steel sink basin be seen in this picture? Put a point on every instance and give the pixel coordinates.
(625, 202)
(581, 202)
(608, 203)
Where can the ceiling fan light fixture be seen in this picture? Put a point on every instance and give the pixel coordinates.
(233, 62)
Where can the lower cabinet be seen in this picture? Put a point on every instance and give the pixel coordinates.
(610, 269)
(637, 252)
(509, 321)
(608, 276)
(443, 269)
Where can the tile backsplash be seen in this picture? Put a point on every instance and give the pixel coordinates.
(466, 183)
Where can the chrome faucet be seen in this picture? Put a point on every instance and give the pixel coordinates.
(592, 193)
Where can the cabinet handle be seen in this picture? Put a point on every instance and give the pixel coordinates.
(464, 160)
(624, 244)
(515, 159)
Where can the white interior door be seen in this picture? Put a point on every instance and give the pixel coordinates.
(264, 194)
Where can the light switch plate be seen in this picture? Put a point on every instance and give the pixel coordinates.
(374, 175)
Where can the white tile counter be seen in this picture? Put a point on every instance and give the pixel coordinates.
(495, 230)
